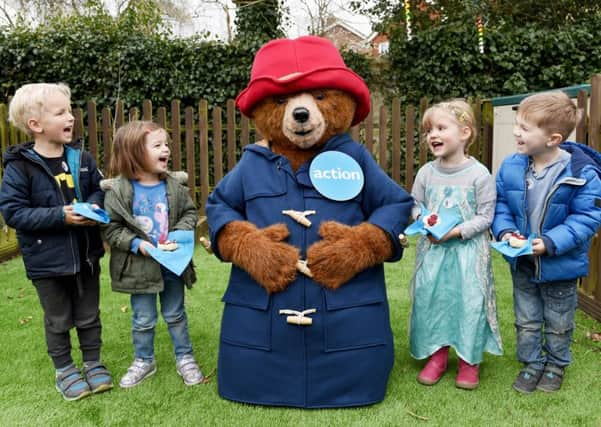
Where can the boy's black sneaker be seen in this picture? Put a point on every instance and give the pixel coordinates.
(551, 379)
(527, 380)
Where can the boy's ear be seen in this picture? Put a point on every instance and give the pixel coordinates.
(34, 126)
(554, 140)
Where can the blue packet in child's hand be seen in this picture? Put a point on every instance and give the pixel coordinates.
(178, 259)
(506, 249)
(431, 223)
(91, 212)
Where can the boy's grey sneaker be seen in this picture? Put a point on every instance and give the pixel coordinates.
(527, 380)
(71, 384)
(137, 372)
(551, 379)
(97, 376)
(188, 369)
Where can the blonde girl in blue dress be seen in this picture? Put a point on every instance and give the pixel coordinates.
(452, 290)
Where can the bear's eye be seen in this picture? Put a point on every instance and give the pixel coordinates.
(320, 96)
(280, 100)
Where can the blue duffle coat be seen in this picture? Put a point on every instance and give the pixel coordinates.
(344, 358)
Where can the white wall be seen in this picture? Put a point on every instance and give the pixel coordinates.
(503, 140)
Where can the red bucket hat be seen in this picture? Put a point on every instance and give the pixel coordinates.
(286, 66)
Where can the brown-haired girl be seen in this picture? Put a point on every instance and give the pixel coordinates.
(145, 203)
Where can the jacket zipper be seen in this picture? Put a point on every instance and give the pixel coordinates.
(85, 231)
(64, 203)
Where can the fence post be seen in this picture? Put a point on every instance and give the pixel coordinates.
(162, 118)
(217, 146)
(107, 134)
(78, 124)
(244, 131)
(119, 114)
(423, 148)
(93, 132)
(594, 131)
(409, 147)
(369, 132)
(4, 141)
(189, 139)
(231, 134)
(176, 135)
(203, 133)
(395, 152)
(147, 110)
(383, 140)
(582, 102)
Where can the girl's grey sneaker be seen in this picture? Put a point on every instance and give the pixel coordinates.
(551, 379)
(188, 369)
(71, 384)
(137, 372)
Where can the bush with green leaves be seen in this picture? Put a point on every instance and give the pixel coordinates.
(104, 59)
(444, 61)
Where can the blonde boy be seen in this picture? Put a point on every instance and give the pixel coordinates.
(550, 188)
(60, 249)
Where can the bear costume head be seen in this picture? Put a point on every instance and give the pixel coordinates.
(301, 94)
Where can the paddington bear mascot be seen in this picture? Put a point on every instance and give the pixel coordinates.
(306, 218)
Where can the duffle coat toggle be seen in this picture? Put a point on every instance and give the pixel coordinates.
(300, 217)
(298, 317)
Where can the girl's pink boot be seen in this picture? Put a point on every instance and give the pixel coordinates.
(435, 368)
(467, 375)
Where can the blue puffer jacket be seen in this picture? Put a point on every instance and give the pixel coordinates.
(571, 216)
(32, 202)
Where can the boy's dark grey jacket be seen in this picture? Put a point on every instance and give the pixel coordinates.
(135, 273)
(31, 202)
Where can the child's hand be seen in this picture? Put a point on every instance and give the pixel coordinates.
(143, 248)
(538, 247)
(506, 236)
(71, 218)
(453, 234)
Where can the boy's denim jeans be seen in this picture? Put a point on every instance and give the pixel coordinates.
(144, 319)
(543, 309)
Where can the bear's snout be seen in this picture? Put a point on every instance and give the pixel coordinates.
(301, 114)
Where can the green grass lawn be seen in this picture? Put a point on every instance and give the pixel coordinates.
(28, 397)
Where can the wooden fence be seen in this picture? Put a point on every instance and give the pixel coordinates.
(207, 143)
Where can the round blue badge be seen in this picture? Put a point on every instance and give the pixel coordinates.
(336, 176)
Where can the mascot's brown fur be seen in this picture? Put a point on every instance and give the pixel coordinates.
(297, 126)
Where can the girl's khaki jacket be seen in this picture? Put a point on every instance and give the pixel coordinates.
(135, 273)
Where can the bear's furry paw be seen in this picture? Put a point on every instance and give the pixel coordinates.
(260, 252)
(346, 251)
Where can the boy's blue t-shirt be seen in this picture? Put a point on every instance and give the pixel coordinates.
(538, 186)
(151, 212)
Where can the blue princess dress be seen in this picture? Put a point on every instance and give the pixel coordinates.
(452, 290)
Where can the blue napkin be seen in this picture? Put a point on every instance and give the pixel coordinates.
(97, 214)
(438, 231)
(506, 249)
(176, 260)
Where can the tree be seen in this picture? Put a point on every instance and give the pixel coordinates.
(36, 12)
(258, 21)
(318, 12)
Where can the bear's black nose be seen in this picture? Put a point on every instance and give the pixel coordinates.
(300, 114)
